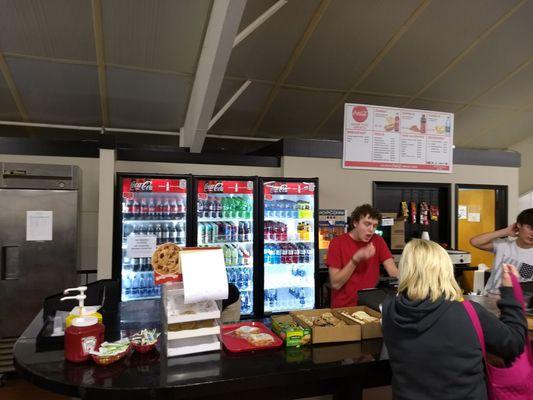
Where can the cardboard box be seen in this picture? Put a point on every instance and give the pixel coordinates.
(397, 231)
(320, 334)
(369, 330)
(291, 336)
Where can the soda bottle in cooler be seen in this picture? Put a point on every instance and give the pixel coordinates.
(245, 256)
(180, 206)
(143, 209)
(201, 232)
(127, 285)
(200, 208)
(151, 209)
(172, 234)
(207, 233)
(126, 208)
(247, 231)
(180, 233)
(234, 254)
(266, 254)
(240, 258)
(218, 208)
(307, 253)
(166, 209)
(158, 209)
(214, 207)
(214, 233)
(173, 209)
(241, 231)
(207, 208)
(135, 209)
(158, 234)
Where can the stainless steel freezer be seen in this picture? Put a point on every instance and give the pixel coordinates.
(38, 238)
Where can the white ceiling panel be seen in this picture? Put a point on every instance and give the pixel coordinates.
(8, 109)
(47, 28)
(346, 41)
(492, 60)
(470, 123)
(296, 112)
(57, 93)
(509, 131)
(239, 119)
(264, 53)
(443, 30)
(158, 34)
(516, 92)
(423, 104)
(144, 100)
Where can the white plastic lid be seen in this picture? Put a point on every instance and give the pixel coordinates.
(84, 321)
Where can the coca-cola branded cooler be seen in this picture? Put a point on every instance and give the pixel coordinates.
(226, 218)
(150, 210)
(289, 243)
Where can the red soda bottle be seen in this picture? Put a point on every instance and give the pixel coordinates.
(135, 209)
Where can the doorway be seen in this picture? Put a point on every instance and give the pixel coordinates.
(479, 209)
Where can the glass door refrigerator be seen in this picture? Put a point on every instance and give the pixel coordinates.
(289, 243)
(225, 218)
(149, 210)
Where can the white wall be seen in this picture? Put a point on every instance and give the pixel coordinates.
(525, 148)
(88, 200)
(525, 201)
(347, 188)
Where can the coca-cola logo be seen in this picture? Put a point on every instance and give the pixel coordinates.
(280, 189)
(145, 186)
(214, 187)
(360, 113)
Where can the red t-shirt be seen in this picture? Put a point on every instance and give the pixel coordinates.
(365, 276)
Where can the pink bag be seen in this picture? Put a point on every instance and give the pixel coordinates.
(515, 382)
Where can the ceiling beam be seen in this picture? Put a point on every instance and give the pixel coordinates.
(216, 50)
(98, 31)
(258, 22)
(466, 51)
(228, 104)
(374, 63)
(6, 73)
(297, 51)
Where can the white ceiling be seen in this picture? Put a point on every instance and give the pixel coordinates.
(473, 58)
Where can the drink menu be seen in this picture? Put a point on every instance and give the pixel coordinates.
(398, 139)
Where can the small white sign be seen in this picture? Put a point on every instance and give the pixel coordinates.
(462, 212)
(474, 217)
(39, 225)
(140, 246)
(387, 221)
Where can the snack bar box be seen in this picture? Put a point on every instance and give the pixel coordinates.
(370, 330)
(319, 334)
(291, 336)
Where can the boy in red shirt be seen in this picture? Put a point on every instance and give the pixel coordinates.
(354, 258)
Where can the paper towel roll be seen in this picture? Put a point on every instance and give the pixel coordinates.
(204, 275)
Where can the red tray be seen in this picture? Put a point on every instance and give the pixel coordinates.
(236, 344)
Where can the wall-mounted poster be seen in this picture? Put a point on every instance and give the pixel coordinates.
(398, 139)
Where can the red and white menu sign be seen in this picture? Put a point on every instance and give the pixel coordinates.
(397, 139)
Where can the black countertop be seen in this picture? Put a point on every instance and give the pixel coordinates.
(343, 369)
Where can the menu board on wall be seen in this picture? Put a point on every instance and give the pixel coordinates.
(398, 139)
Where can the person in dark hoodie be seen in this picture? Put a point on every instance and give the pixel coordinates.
(433, 347)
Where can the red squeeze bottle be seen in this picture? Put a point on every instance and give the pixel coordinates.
(81, 337)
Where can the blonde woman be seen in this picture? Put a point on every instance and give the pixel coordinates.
(433, 348)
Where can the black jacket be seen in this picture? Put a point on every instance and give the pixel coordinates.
(434, 350)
